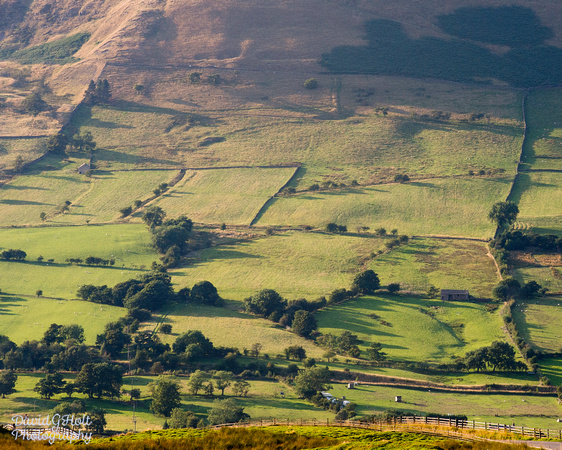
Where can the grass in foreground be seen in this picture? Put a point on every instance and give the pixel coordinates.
(417, 329)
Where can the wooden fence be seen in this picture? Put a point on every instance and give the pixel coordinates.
(447, 426)
(438, 426)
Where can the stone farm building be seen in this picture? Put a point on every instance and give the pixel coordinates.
(453, 294)
(83, 168)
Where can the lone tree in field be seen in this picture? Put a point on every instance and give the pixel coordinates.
(366, 282)
(7, 383)
(154, 216)
(166, 397)
(503, 214)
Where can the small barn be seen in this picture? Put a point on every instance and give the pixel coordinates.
(83, 168)
(453, 294)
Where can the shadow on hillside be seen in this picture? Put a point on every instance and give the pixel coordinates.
(106, 155)
(22, 188)
(97, 123)
(524, 184)
(22, 202)
(127, 106)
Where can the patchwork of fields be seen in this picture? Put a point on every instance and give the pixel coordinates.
(458, 143)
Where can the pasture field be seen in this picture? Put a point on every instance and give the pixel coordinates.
(44, 189)
(544, 119)
(552, 368)
(416, 329)
(129, 245)
(376, 146)
(228, 328)
(524, 410)
(448, 378)
(539, 197)
(264, 401)
(111, 191)
(269, 399)
(295, 264)
(538, 322)
(29, 149)
(544, 268)
(119, 413)
(454, 206)
(444, 263)
(232, 196)
(27, 318)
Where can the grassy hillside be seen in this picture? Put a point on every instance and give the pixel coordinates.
(539, 196)
(244, 330)
(27, 318)
(539, 323)
(444, 263)
(45, 190)
(484, 407)
(416, 329)
(373, 144)
(296, 264)
(109, 192)
(129, 245)
(232, 196)
(454, 206)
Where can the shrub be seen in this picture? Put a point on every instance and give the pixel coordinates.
(311, 83)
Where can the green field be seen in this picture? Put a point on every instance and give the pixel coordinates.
(456, 206)
(232, 196)
(523, 410)
(264, 401)
(445, 263)
(441, 332)
(548, 276)
(27, 318)
(228, 328)
(111, 191)
(129, 245)
(296, 264)
(552, 368)
(538, 322)
(539, 197)
(51, 183)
